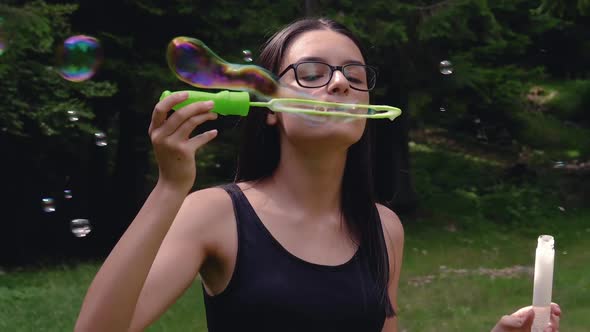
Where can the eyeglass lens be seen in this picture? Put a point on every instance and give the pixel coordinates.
(316, 74)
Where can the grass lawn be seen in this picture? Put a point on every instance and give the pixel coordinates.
(453, 279)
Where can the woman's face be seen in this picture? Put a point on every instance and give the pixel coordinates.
(337, 50)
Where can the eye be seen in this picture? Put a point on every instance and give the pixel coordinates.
(312, 71)
(311, 77)
(356, 74)
(354, 79)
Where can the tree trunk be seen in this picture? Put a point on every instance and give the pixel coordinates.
(393, 181)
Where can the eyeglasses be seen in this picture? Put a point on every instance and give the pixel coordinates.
(315, 74)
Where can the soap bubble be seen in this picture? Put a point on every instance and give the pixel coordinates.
(481, 135)
(73, 116)
(446, 67)
(247, 55)
(194, 63)
(559, 164)
(79, 57)
(442, 109)
(67, 194)
(100, 139)
(80, 227)
(48, 204)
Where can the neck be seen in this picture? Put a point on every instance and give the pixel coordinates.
(309, 182)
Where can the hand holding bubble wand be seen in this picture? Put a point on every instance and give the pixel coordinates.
(194, 63)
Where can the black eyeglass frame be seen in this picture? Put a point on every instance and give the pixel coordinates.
(332, 69)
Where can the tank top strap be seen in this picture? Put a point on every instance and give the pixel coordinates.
(239, 200)
(246, 217)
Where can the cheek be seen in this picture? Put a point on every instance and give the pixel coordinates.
(359, 129)
(363, 97)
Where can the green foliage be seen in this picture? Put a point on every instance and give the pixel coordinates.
(490, 44)
(36, 98)
(565, 8)
(572, 100)
(544, 131)
(458, 187)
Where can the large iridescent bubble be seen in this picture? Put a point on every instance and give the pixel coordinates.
(194, 63)
(79, 58)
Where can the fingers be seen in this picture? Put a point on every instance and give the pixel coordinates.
(179, 117)
(202, 139)
(521, 320)
(555, 317)
(555, 309)
(527, 316)
(187, 127)
(524, 312)
(163, 107)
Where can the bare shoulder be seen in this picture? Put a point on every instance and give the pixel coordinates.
(392, 226)
(205, 214)
(208, 202)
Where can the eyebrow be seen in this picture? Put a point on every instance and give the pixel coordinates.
(315, 58)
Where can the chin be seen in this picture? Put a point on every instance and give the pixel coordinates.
(332, 135)
(341, 131)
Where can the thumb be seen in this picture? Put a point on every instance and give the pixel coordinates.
(522, 320)
(527, 319)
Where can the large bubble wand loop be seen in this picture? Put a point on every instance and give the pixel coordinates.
(194, 63)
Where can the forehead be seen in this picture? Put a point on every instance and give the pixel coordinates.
(333, 47)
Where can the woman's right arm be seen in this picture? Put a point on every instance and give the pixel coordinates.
(112, 297)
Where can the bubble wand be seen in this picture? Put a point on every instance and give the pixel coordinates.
(194, 63)
(543, 282)
(238, 103)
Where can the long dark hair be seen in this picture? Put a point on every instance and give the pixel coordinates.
(260, 152)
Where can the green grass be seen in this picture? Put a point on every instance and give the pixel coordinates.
(547, 132)
(49, 299)
(473, 302)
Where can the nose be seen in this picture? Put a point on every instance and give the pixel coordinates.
(338, 84)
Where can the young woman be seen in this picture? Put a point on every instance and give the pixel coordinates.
(297, 243)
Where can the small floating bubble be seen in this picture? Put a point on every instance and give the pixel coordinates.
(48, 204)
(100, 139)
(247, 55)
(80, 227)
(73, 116)
(446, 67)
(68, 194)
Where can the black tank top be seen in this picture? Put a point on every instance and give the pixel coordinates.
(273, 290)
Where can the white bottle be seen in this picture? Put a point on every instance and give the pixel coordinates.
(543, 282)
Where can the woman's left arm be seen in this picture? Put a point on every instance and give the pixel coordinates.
(394, 238)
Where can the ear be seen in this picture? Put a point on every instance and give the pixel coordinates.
(271, 118)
